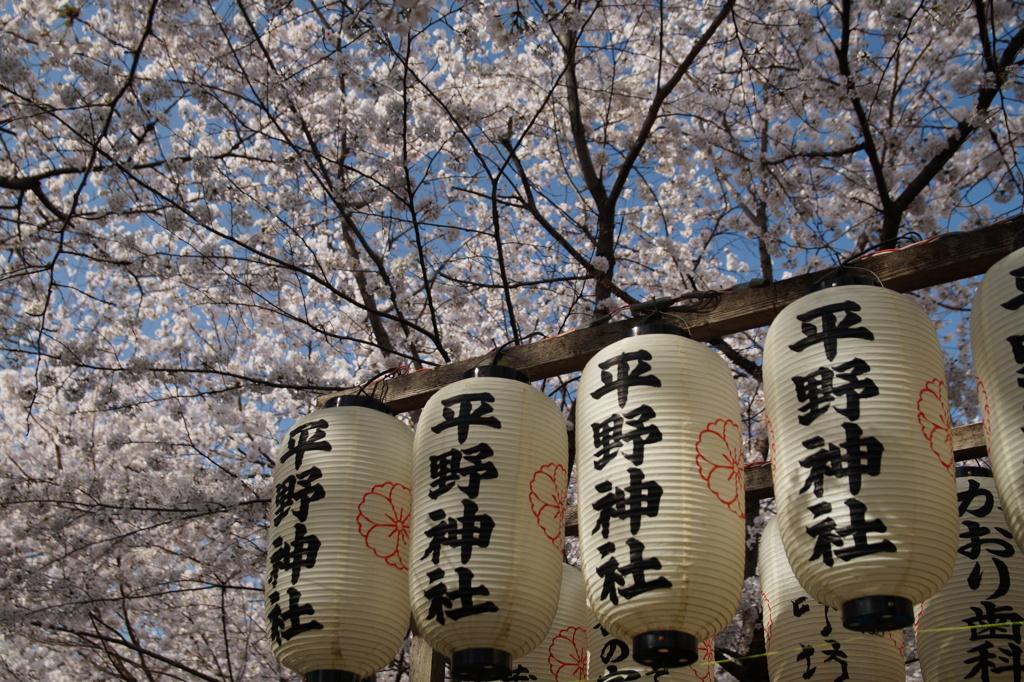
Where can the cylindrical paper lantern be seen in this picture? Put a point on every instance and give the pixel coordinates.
(855, 391)
(562, 654)
(611, 660)
(997, 345)
(971, 629)
(489, 485)
(804, 638)
(336, 590)
(661, 493)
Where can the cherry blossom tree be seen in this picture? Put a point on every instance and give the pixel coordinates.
(213, 213)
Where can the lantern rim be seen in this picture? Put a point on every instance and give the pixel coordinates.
(973, 471)
(331, 676)
(496, 372)
(480, 664)
(843, 281)
(356, 401)
(660, 649)
(880, 613)
(653, 328)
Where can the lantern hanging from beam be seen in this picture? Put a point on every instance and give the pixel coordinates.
(562, 654)
(971, 629)
(855, 392)
(661, 503)
(803, 637)
(336, 589)
(611, 660)
(489, 486)
(997, 346)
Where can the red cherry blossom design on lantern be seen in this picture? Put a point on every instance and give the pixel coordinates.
(567, 655)
(547, 500)
(702, 669)
(766, 607)
(933, 416)
(899, 644)
(721, 464)
(384, 522)
(986, 411)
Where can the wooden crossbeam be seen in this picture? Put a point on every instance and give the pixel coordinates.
(947, 258)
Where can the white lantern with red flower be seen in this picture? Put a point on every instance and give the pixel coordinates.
(490, 479)
(611, 660)
(336, 595)
(804, 642)
(661, 493)
(855, 392)
(562, 654)
(972, 628)
(997, 346)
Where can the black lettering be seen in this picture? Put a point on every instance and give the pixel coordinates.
(451, 467)
(855, 457)
(285, 623)
(470, 530)
(858, 531)
(609, 436)
(473, 409)
(992, 621)
(626, 375)
(638, 499)
(1017, 301)
(309, 436)
(832, 328)
(635, 569)
(295, 493)
(292, 557)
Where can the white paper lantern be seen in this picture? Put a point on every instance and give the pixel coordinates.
(971, 629)
(336, 589)
(997, 346)
(855, 391)
(489, 486)
(611, 660)
(562, 654)
(661, 493)
(804, 638)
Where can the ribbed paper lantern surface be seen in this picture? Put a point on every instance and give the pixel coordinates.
(562, 654)
(490, 478)
(804, 638)
(855, 392)
(611, 660)
(997, 346)
(971, 629)
(336, 590)
(661, 493)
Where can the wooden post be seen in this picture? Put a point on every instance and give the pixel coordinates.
(425, 664)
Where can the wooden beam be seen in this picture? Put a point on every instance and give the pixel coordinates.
(947, 258)
(425, 664)
(968, 443)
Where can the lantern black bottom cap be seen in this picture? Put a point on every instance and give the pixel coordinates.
(878, 614)
(331, 676)
(478, 665)
(660, 649)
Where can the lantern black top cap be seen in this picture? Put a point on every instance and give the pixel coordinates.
(497, 371)
(843, 281)
(647, 329)
(964, 470)
(356, 401)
